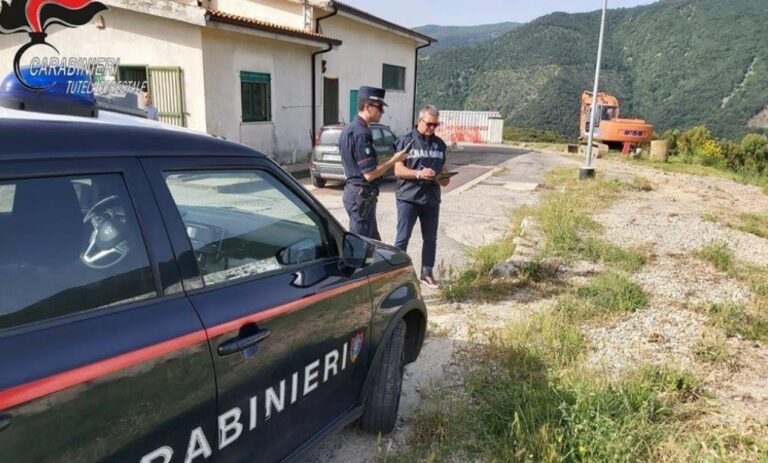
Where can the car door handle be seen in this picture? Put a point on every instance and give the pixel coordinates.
(240, 344)
(5, 423)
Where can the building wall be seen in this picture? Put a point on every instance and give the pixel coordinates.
(285, 13)
(135, 38)
(359, 62)
(286, 138)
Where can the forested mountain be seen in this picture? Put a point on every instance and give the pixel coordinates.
(461, 36)
(676, 63)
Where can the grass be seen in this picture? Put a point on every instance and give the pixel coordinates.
(719, 254)
(733, 319)
(682, 165)
(527, 397)
(754, 224)
(570, 233)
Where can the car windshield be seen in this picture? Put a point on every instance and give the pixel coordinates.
(330, 137)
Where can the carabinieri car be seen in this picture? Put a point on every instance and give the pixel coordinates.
(171, 297)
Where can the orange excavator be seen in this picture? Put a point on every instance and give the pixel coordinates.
(609, 127)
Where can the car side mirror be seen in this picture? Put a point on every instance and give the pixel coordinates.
(356, 253)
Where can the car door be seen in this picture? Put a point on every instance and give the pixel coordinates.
(103, 358)
(288, 329)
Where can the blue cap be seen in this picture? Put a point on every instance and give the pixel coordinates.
(373, 94)
(63, 94)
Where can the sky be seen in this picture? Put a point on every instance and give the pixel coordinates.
(412, 13)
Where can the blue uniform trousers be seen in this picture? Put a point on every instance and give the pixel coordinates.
(364, 227)
(428, 216)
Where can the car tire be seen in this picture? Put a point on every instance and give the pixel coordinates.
(380, 414)
(318, 182)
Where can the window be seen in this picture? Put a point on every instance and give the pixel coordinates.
(377, 136)
(255, 96)
(70, 244)
(389, 137)
(393, 77)
(243, 224)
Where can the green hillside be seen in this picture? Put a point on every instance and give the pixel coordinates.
(461, 36)
(676, 63)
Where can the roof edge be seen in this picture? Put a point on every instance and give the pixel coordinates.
(253, 23)
(382, 22)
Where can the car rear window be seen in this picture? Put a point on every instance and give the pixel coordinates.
(330, 137)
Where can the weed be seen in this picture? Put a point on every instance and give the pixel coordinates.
(738, 320)
(719, 254)
(710, 218)
(754, 224)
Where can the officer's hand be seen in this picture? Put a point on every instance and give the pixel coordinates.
(400, 156)
(445, 181)
(427, 174)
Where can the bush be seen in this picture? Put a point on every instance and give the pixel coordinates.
(672, 137)
(709, 153)
(733, 155)
(755, 147)
(693, 140)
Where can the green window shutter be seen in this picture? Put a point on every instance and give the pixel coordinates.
(352, 105)
(255, 96)
(255, 77)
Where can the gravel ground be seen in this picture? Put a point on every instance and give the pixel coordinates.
(687, 281)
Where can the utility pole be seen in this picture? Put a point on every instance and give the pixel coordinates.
(588, 171)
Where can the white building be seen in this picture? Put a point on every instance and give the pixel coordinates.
(249, 70)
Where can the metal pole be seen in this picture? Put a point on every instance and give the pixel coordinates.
(588, 171)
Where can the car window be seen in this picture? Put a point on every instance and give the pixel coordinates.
(245, 223)
(389, 137)
(330, 137)
(70, 244)
(377, 136)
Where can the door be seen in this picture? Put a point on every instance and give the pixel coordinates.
(167, 89)
(330, 101)
(288, 330)
(352, 105)
(102, 356)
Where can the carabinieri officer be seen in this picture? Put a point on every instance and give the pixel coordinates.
(418, 188)
(361, 167)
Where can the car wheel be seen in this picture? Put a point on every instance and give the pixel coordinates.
(318, 182)
(380, 413)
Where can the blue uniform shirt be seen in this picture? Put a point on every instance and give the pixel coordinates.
(358, 155)
(426, 153)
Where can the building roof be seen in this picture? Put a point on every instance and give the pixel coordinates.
(349, 9)
(252, 23)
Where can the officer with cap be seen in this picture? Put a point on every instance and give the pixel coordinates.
(361, 167)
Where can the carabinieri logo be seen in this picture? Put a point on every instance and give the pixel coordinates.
(35, 16)
(355, 346)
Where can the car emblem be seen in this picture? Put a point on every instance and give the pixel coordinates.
(356, 346)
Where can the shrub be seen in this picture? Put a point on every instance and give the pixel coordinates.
(672, 137)
(733, 155)
(709, 153)
(755, 148)
(693, 140)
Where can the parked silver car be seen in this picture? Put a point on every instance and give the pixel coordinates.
(325, 163)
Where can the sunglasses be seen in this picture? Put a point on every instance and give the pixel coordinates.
(431, 125)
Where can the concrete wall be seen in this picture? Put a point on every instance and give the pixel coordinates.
(285, 13)
(135, 38)
(286, 137)
(359, 62)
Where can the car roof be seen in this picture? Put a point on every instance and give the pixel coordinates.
(341, 126)
(27, 135)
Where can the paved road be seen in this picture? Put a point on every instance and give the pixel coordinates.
(475, 210)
